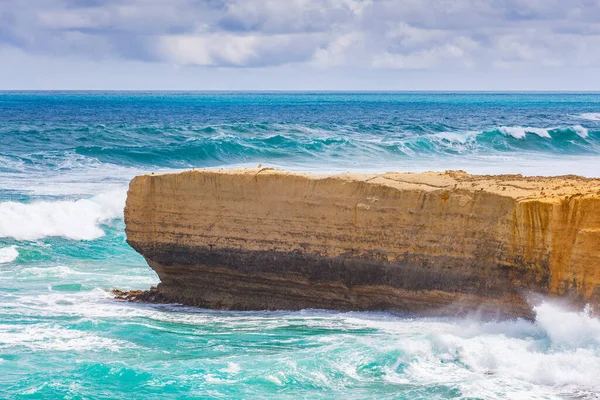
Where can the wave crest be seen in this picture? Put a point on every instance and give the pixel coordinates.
(78, 219)
(519, 132)
(590, 116)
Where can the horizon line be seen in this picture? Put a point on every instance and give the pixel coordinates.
(596, 91)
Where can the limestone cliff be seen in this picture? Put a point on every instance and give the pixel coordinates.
(428, 242)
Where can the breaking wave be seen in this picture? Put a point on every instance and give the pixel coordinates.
(174, 147)
(72, 219)
(284, 144)
(590, 116)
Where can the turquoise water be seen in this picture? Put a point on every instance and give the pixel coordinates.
(66, 159)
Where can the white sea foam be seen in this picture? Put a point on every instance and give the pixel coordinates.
(77, 220)
(59, 271)
(558, 354)
(581, 131)
(94, 304)
(519, 132)
(8, 254)
(569, 330)
(54, 337)
(232, 368)
(590, 116)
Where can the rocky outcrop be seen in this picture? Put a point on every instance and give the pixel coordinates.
(429, 242)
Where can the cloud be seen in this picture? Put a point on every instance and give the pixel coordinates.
(290, 16)
(226, 49)
(385, 34)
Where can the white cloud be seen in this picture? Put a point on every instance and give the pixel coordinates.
(227, 49)
(208, 50)
(423, 59)
(335, 53)
(429, 35)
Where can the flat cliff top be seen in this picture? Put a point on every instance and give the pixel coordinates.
(514, 186)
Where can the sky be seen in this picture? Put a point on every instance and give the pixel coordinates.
(300, 44)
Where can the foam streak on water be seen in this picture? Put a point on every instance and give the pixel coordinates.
(180, 350)
(66, 159)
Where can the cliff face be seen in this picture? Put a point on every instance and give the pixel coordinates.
(430, 242)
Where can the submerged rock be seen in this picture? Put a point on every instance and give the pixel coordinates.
(145, 296)
(441, 243)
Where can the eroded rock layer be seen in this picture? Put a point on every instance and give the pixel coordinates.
(428, 242)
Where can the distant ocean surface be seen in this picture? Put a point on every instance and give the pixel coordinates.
(66, 159)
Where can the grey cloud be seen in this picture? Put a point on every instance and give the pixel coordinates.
(274, 16)
(407, 34)
(85, 3)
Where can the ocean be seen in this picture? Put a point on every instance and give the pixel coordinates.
(66, 159)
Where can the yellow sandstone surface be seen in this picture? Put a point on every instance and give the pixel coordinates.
(427, 242)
